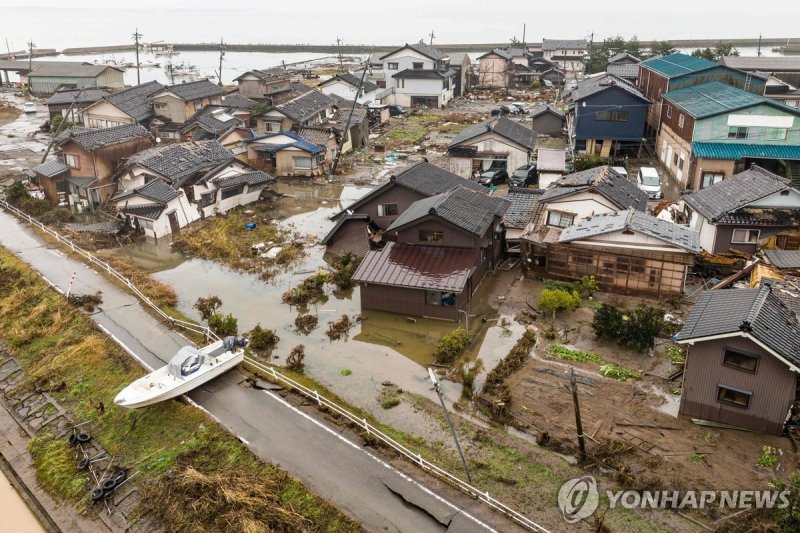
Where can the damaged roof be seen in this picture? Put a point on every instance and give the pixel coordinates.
(194, 90)
(237, 101)
(92, 138)
(148, 211)
(418, 267)
(213, 120)
(502, 126)
(524, 207)
(135, 101)
(157, 190)
(754, 313)
(306, 106)
(596, 84)
(257, 177)
(467, 209)
(784, 259)
(636, 221)
(87, 95)
(605, 180)
(353, 81)
(734, 193)
(272, 74)
(180, 161)
(421, 48)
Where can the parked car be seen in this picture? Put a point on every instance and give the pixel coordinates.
(621, 171)
(396, 111)
(521, 106)
(510, 109)
(524, 176)
(649, 182)
(29, 107)
(493, 177)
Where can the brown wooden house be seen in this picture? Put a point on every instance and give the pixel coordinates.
(92, 156)
(743, 359)
(445, 245)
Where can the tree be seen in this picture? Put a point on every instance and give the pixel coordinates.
(634, 47)
(704, 53)
(557, 300)
(515, 42)
(257, 111)
(662, 48)
(207, 306)
(719, 51)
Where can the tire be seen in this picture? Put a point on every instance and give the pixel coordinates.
(83, 464)
(83, 437)
(97, 494)
(73, 439)
(109, 485)
(120, 477)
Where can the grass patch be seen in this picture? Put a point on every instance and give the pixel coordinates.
(390, 403)
(607, 369)
(345, 372)
(56, 343)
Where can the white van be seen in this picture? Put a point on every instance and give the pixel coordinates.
(649, 182)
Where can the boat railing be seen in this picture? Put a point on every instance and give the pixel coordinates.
(111, 271)
(281, 378)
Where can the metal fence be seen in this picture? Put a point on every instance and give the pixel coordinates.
(314, 395)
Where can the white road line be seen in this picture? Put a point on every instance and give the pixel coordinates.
(380, 461)
(124, 347)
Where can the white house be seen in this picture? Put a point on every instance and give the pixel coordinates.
(417, 75)
(345, 84)
(498, 142)
(566, 53)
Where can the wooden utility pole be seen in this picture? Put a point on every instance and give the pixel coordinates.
(136, 36)
(339, 47)
(438, 388)
(221, 55)
(578, 424)
(31, 46)
(431, 35)
(349, 120)
(523, 35)
(759, 45)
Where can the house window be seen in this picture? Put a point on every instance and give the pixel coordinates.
(559, 219)
(159, 106)
(777, 134)
(391, 66)
(207, 199)
(198, 106)
(745, 236)
(675, 159)
(431, 236)
(680, 120)
(740, 360)
(233, 191)
(738, 132)
(669, 111)
(401, 83)
(302, 162)
(438, 298)
(732, 396)
(612, 116)
(72, 161)
(710, 178)
(387, 210)
(417, 66)
(680, 162)
(272, 127)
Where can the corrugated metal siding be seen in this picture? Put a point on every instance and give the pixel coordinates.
(351, 237)
(772, 386)
(587, 127)
(407, 302)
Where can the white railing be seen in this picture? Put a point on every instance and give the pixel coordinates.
(314, 395)
(106, 267)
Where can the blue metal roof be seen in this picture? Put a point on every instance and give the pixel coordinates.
(714, 98)
(678, 64)
(735, 151)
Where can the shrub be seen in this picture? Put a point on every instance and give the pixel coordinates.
(223, 325)
(345, 372)
(588, 285)
(676, 353)
(608, 322)
(562, 352)
(389, 403)
(610, 370)
(557, 300)
(451, 346)
(263, 339)
(554, 284)
(295, 360)
(344, 268)
(768, 458)
(636, 329)
(207, 306)
(310, 290)
(588, 161)
(536, 84)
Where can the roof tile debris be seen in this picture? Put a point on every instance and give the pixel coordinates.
(179, 162)
(524, 207)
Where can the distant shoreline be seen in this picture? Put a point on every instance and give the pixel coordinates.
(766, 43)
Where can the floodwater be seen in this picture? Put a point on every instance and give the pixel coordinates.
(17, 517)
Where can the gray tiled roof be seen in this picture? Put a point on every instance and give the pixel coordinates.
(81, 182)
(421, 48)
(755, 312)
(624, 70)
(93, 138)
(195, 90)
(563, 44)
(548, 109)
(784, 259)
(502, 126)
(596, 84)
(353, 80)
(180, 161)
(257, 177)
(470, 210)
(426, 74)
(428, 179)
(68, 69)
(149, 211)
(523, 208)
(315, 134)
(237, 101)
(734, 193)
(86, 96)
(51, 169)
(306, 106)
(616, 188)
(136, 101)
(267, 75)
(157, 190)
(213, 119)
(505, 54)
(619, 56)
(636, 221)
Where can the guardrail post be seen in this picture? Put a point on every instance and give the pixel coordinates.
(316, 395)
(366, 426)
(419, 458)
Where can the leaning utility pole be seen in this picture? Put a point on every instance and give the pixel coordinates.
(349, 119)
(523, 36)
(221, 55)
(578, 424)
(31, 46)
(63, 123)
(431, 35)
(759, 45)
(136, 36)
(438, 388)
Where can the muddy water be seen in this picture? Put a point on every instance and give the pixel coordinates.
(17, 517)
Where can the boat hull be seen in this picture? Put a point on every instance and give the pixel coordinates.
(133, 397)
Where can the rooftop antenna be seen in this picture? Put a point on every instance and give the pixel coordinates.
(221, 55)
(431, 35)
(136, 36)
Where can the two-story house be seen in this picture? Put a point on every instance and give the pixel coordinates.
(345, 84)
(262, 85)
(307, 109)
(443, 247)
(713, 130)
(68, 103)
(417, 75)
(659, 75)
(132, 105)
(176, 104)
(495, 69)
(498, 143)
(568, 54)
(743, 359)
(608, 116)
(741, 212)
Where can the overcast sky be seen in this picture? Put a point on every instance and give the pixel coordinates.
(55, 24)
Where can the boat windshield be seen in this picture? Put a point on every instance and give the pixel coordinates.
(187, 361)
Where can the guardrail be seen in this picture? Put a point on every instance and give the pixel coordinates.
(314, 395)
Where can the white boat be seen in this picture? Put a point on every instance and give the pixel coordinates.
(187, 370)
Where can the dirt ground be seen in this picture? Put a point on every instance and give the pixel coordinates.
(8, 114)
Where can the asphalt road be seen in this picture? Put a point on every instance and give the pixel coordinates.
(359, 483)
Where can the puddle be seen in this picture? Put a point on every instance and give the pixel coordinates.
(496, 345)
(671, 403)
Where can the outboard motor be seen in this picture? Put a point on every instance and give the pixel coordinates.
(241, 341)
